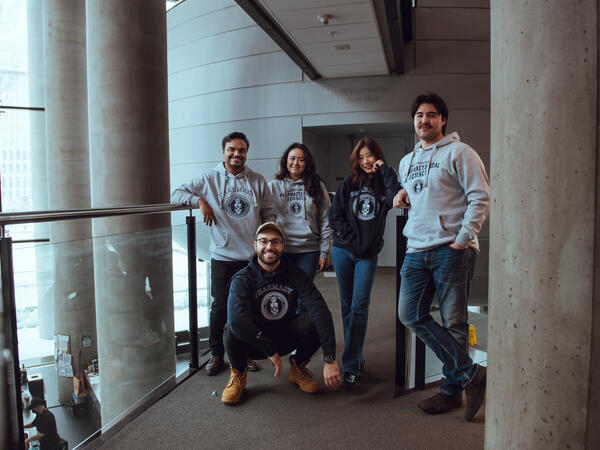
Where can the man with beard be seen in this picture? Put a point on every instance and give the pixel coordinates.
(263, 322)
(233, 200)
(445, 183)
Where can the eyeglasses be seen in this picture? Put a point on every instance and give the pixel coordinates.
(265, 241)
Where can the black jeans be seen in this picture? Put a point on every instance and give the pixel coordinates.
(300, 335)
(220, 278)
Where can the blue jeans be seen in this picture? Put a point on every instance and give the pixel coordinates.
(449, 272)
(308, 262)
(355, 279)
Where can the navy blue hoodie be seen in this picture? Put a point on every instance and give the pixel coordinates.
(358, 215)
(262, 304)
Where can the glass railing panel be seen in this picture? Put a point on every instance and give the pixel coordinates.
(56, 330)
(107, 308)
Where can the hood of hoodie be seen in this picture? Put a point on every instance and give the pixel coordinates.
(448, 139)
(232, 180)
(261, 275)
(419, 150)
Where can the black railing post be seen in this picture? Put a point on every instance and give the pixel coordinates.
(10, 334)
(192, 289)
(419, 363)
(401, 382)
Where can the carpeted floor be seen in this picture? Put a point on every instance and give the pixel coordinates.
(275, 414)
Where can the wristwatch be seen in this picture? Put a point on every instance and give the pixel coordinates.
(329, 358)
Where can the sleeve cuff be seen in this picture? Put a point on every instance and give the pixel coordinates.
(464, 239)
(194, 201)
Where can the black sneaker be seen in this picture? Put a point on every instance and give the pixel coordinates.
(475, 392)
(215, 365)
(252, 365)
(349, 381)
(440, 403)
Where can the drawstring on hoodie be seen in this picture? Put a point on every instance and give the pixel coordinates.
(244, 176)
(433, 148)
(429, 165)
(250, 188)
(452, 137)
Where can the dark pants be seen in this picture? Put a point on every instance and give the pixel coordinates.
(447, 271)
(220, 278)
(300, 335)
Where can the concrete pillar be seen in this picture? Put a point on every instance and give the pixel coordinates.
(544, 308)
(37, 141)
(69, 179)
(128, 114)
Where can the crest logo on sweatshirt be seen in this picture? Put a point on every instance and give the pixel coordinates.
(237, 205)
(365, 207)
(418, 186)
(295, 208)
(274, 305)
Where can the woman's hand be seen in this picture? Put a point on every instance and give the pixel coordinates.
(322, 264)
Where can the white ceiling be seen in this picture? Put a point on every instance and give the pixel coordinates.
(353, 24)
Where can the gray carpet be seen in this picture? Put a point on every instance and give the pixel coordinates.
(275, 414)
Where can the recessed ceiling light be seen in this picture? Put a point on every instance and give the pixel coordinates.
(324, 18)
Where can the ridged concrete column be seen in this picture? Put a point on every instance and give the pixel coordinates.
(128, 113)
(69, 179)
(544, 305)
(39, 180)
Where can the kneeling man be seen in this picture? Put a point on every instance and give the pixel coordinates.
(262, 321)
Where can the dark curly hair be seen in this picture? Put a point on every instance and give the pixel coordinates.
(359, 177)
(435, 100)
(312, 181)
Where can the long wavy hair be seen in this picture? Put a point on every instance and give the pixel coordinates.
(359, 176)
(312, 181)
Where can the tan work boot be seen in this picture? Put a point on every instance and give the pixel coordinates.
(235, 386)
(302, 377)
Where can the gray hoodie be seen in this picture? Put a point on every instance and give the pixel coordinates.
(306, 229)
(449, 194)
(240, 202)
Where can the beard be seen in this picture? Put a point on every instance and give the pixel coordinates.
(269, 262)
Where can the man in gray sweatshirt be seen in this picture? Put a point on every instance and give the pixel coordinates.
(234, 201)
(445, 184)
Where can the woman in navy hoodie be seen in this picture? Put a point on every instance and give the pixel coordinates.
(357, 218)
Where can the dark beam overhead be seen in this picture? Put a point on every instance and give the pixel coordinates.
(399, 16)
(265, 21)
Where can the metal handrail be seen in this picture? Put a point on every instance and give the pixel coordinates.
(13, 218)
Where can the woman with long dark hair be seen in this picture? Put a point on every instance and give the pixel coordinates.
(303, 207)
(357, 217)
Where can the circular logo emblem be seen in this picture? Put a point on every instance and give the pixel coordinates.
(237, 206)
(295, 208)
(365, 207)
(274, 305)
(417, 186)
